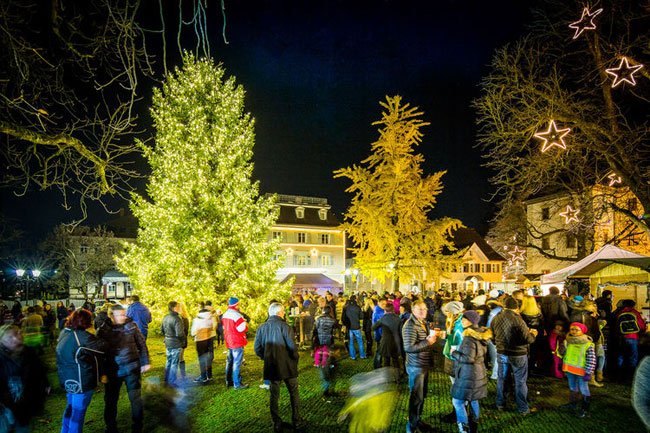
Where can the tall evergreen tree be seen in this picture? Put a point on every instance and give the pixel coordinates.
(388, 219)
(204, 229)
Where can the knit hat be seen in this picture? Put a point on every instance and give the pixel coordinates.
(578, 298)
(232, 301)
(582, 326)
(494, 293)
(472, 316)
(511, 303)
(453, 307)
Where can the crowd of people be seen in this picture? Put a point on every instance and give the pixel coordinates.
(485, 336)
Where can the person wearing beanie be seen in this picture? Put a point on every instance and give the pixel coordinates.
(579, 364)
(512, 337)
(470, 384)
(234, 332)
(454, 313)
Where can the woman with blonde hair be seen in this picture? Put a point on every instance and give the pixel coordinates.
(366, 312)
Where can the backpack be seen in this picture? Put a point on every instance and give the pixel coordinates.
(627, 323)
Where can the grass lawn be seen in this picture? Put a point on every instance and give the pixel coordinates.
(214, 408)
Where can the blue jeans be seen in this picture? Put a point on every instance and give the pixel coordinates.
(628, 353)
(418, 387)
(356, 333)
(461, 410)
(519, 366)
(492, 353)
(233, 363)
(75, 412)
(578, 384)
(173, 358)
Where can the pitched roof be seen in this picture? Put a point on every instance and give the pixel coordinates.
(311, 206)
(312, 280)
(465, 237)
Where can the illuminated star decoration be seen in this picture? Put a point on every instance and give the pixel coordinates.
(570, 214)
(586, 22)
(624, 72)
(553, 137)
(517, 255)
(614, 179)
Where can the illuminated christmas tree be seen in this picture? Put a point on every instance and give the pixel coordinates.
(203, 227)
(388, 219)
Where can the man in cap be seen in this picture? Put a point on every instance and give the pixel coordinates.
(512, 338)
(234, 331)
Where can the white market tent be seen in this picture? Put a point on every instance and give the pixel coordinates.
(608, 252)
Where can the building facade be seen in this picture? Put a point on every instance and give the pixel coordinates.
(311, 242)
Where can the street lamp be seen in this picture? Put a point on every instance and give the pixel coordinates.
(20, 273)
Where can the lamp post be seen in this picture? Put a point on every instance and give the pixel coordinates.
(21, 273)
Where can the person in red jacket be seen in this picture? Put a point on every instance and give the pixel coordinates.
(234, 331)
(629, 325)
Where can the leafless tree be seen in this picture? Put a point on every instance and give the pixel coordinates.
(548, 75)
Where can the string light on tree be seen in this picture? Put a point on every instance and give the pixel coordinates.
(624, 72)
(553, 137)
(614, 179)
(570, 215)
(586, 22)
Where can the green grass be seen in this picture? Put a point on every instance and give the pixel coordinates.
(214, 408)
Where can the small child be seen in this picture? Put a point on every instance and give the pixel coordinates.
(555, 342)
(579, 363)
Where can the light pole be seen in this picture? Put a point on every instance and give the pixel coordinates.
(20, 273)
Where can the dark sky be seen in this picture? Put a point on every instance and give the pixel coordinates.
(315, 71)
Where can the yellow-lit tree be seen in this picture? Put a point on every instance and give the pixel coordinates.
(204, 229)
(388, 219)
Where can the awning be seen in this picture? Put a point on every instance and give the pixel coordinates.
(639, 263)
(312, 280)
(608, 252)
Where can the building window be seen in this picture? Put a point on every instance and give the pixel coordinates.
(84, 249)
(570, 241)
(277, 235)
(322, 214)
(325, 239)
(302, 238)
(326, 260)
(301, 260)
(546, 213)
(546, 242)
(465, 268)
(300, 212)
(633, 239)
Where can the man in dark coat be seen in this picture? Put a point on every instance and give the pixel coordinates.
(127, 358)
(553, 309)
(351, 318)
(139, 314)
(512, 337)
(390, 345)
(175, 334)
(275, 344)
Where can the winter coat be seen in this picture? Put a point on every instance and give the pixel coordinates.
(275, 344)
(351, 316)
(126, 349)
(203, 327)
(61, 313)
(639, 320)
(141, 316)
(234, 328)
(376, 315)
(511, 335)
(23, 383)
(324, 330)
(585, 317)
(471, 379)
(390, 345)
(174, 331)
(418, 351)
(553, 309)
(79, 355)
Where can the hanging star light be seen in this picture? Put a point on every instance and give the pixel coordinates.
(586, 22)
(517, 254)
(553, 136)
(614, 179)
(624, 72)
(570, 215)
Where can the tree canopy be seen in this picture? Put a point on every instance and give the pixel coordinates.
(388, 219)
(558, 73)
(204, 229)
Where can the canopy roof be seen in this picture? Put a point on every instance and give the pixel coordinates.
(592, 263)
(312, 280)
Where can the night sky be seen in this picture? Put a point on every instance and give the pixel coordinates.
(315, 71)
